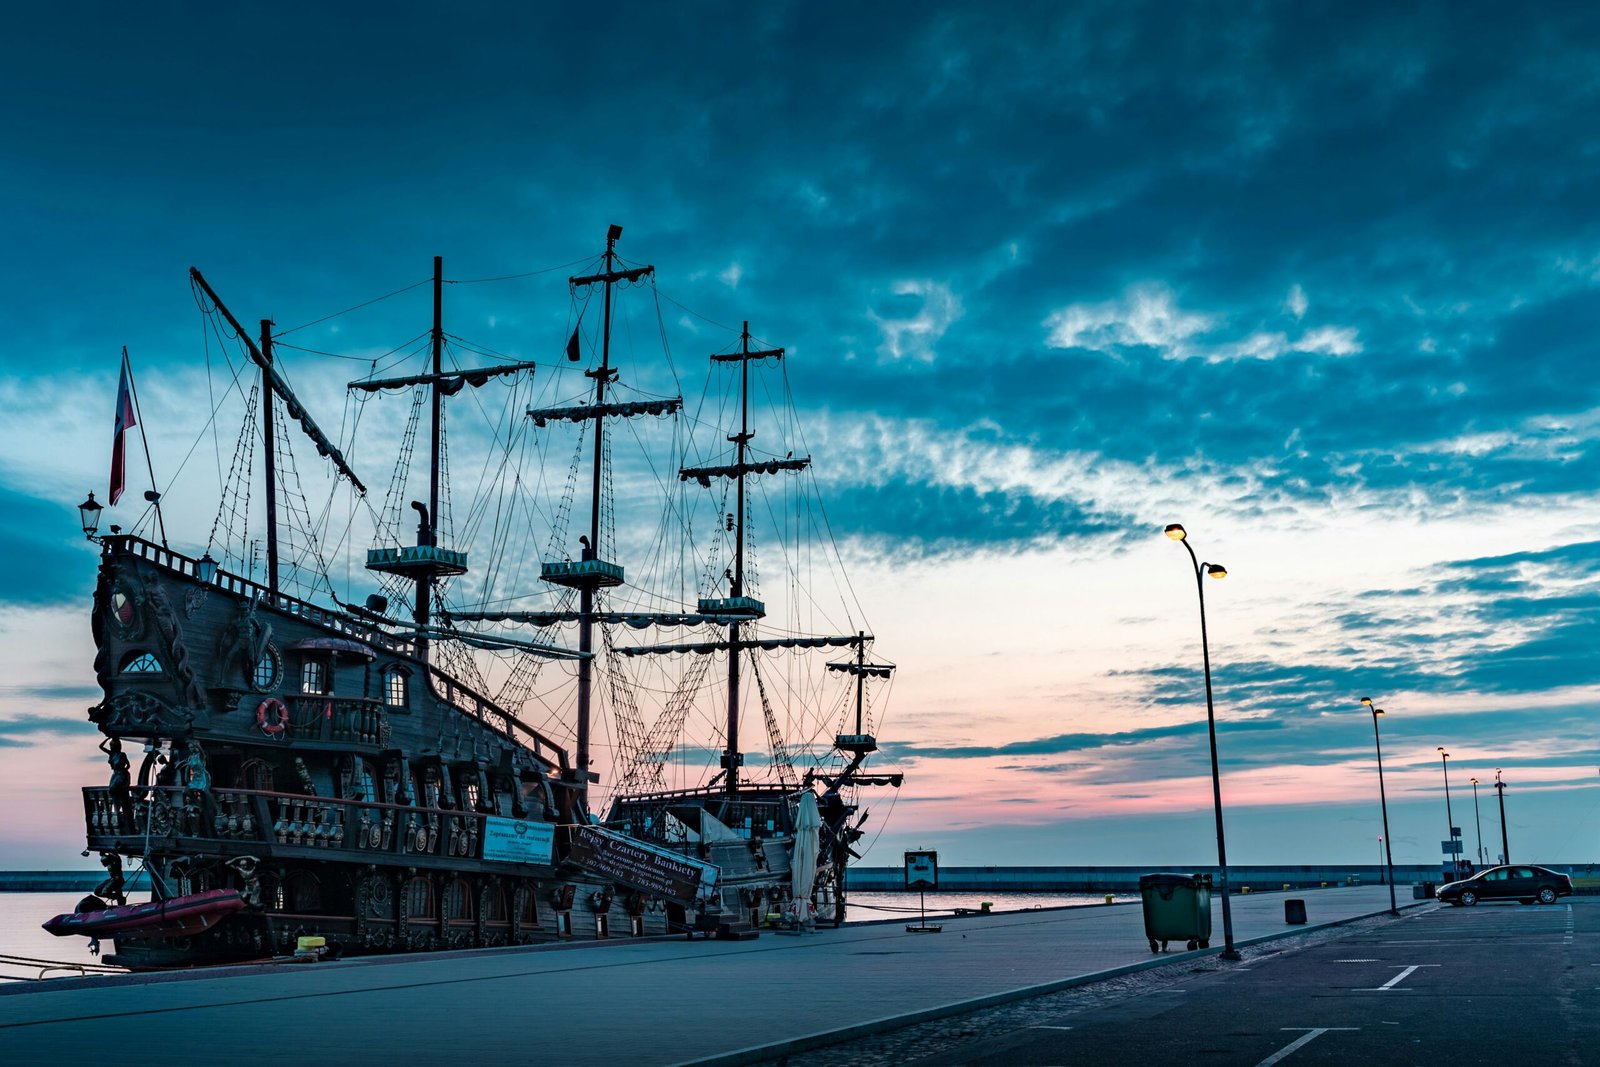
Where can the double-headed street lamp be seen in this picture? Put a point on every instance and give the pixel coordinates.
(1214, 570)
(1455, 857)
(1477, 817)
(1383, 802)
(1505, 845)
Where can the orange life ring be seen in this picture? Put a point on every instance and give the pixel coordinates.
(272, 716)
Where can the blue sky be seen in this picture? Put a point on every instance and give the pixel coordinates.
(1319, 281)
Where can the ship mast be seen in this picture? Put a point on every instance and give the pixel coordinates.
(428, 527)
(270, 455)
(742, 608)
(273, 385)
(592, 572)
(732, 758)
(601, 375)
(427, 562)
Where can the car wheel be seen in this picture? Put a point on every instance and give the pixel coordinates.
(1547, 895)
(1468, 897)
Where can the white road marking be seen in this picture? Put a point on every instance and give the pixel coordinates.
(1300, 1042)
(1047, 1026)
(1391, 983)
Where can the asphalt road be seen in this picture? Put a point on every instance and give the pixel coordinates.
(1500, 984)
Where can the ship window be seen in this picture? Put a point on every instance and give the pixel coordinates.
(365, 784)
(458, 900)
(264, 675)
(469, 796)
(497, 911)
(304, 893)
(257, 775)
(394, 687)
(314, 677)
(419, 899)
(140, 662)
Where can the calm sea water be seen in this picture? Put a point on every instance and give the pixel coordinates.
(22, 938)
(865, 907)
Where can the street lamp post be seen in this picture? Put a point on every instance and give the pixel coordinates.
(1505, 846)
(1450, 835)
(1477, 817)
(1383, 801)
(1215, 570)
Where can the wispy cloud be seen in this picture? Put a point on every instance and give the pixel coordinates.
(914, 333)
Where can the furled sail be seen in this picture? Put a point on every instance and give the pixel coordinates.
(627, 409)
(703, 475)
(638, 621)
(705, 648)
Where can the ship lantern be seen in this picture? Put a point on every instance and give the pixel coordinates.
(206, 568)
(89, 516)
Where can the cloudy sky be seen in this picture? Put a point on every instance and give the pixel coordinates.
(1322, 284)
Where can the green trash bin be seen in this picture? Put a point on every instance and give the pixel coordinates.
(1177, 907)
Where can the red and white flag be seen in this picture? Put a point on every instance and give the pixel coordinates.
(125, 420)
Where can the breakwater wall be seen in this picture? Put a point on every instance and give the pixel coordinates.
(1126, 879)
(64, 881)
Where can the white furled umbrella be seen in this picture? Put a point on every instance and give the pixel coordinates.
(803, 864)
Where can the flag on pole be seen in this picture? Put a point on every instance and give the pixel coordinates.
(572, 346)
(125, 420)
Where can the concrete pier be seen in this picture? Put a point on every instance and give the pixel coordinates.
(1126, 879)
(659, 1002)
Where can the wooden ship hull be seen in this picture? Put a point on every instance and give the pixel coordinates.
(392, 811)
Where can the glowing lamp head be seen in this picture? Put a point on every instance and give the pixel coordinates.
(1216, 570)
(89, 516)
(1176, 532)
(1376, 712)
(1367, 701)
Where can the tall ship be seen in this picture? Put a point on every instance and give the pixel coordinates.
(518, 718)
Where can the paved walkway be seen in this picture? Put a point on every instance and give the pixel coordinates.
(650, 1003)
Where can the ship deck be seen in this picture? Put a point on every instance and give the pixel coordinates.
(656, 1002)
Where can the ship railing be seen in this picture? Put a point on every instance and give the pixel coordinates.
(753, 791)
(266, 817)
(490, 714)
(314, 717)
(157, 811)
(336, 621)
(444, 687)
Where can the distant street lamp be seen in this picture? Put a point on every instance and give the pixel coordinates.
(1383, 802)
(1477, 817)
(1455, 857)
(1215, 570)
(1505, 846)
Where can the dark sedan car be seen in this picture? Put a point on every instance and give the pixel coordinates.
(1517, 882)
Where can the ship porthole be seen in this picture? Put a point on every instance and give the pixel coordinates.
(264, 675)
